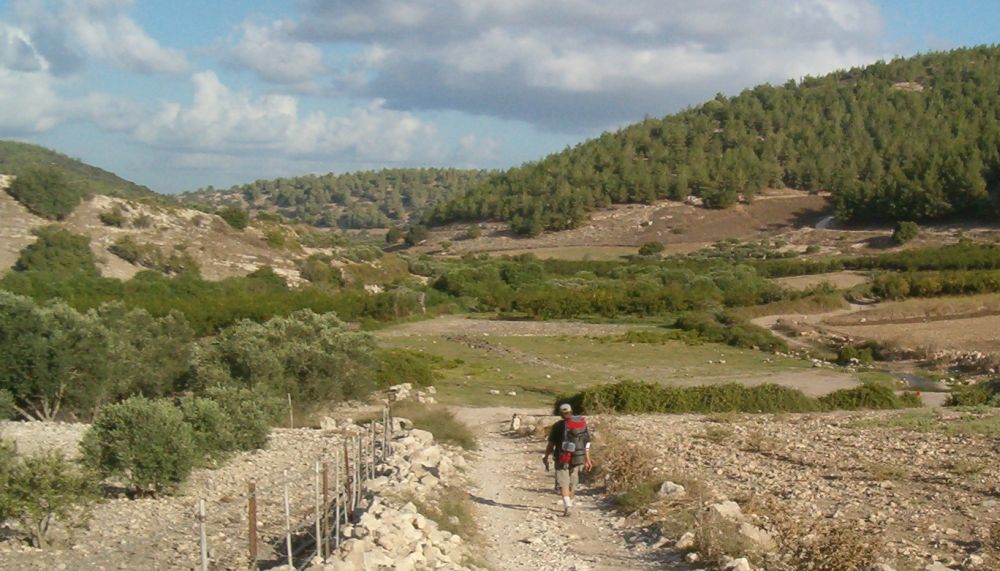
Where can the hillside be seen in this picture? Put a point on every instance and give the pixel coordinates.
(366, 199)
(911, 139)
(17, 158)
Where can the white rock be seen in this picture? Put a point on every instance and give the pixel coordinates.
(727, 509)
(685, 542)
(740, 564)
(671, 490)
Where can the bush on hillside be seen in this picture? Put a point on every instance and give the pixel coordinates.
(113, 217)
(868, 396)
(40, 489)
(903, 232)
(212, 428)
(145, 442)
(45, 192)
(57, 250)
(650, 248)
(235, 216)
(978, 394)
(398, 366)
(249, 415)
(8, 409)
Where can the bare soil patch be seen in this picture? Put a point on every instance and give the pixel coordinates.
(839, 280)
(972, 334)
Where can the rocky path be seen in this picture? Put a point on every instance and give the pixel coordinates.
(520, 515)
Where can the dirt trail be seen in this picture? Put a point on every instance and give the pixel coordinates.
(769, 322)
(520, 515)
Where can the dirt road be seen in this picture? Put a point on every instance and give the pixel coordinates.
(520, 514)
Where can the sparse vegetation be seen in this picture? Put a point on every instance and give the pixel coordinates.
(437, 420)
(39, 489)
(631, 397)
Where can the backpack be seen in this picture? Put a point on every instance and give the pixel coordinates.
(576, 438)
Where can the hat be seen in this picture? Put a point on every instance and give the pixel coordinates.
(565, 407)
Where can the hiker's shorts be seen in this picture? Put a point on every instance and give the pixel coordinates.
(568, 477)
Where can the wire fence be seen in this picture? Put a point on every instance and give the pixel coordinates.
(339, 484)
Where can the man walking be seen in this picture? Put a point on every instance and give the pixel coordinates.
(570, 440)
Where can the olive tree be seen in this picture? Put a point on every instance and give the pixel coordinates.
(52, 358)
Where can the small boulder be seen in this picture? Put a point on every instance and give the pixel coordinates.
(671, 490)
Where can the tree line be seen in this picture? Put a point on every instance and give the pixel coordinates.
(365, 199)
(910, 139)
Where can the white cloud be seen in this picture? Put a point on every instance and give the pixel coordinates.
(221, 120)
(572, 63)
(67, 31)
(28, 102)
(275, 56)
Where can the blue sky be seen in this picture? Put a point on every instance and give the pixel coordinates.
(184, 94)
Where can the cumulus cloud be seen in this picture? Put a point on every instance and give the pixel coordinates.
(585, 63)
(67, 32)
(276, 56)
(28, 99)
(226, 121)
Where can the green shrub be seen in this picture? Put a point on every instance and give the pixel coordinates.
(867, 396)
(416, 234)
(8, 408)
(650, 249)
(235, 216)
(903, 232)
(972, 395)
(114, 217)
(212, 428)
(850, 354)
(633, 397)
(393, 235)
(396, 366)
(638, 496)
(40, 489)
(46, 193)
(144, 442)
(248, 413)
(57, 250)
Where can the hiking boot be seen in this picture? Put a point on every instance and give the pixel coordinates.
(567, 512)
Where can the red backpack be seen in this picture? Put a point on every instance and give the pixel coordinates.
(576, 437)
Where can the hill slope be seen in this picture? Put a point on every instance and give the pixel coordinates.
(367, 199)
(17, 157)
(909, 139)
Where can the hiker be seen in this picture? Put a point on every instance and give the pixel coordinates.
(570, 438)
